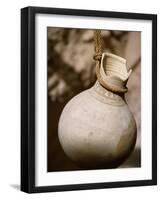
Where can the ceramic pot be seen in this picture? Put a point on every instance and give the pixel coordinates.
(96, 128)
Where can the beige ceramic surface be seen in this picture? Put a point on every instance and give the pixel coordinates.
(96, 128)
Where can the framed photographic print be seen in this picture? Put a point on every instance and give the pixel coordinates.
(88, 99)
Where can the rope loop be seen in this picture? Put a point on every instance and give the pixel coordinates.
(97, 57)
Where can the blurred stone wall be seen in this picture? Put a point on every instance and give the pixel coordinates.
(71, 69)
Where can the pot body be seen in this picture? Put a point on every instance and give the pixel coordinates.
(96, 129)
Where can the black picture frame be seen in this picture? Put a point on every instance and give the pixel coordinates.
(28, 98)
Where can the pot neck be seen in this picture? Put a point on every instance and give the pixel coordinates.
(113, 74)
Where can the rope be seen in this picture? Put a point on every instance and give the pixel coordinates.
(98, 52)
(98, 45)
